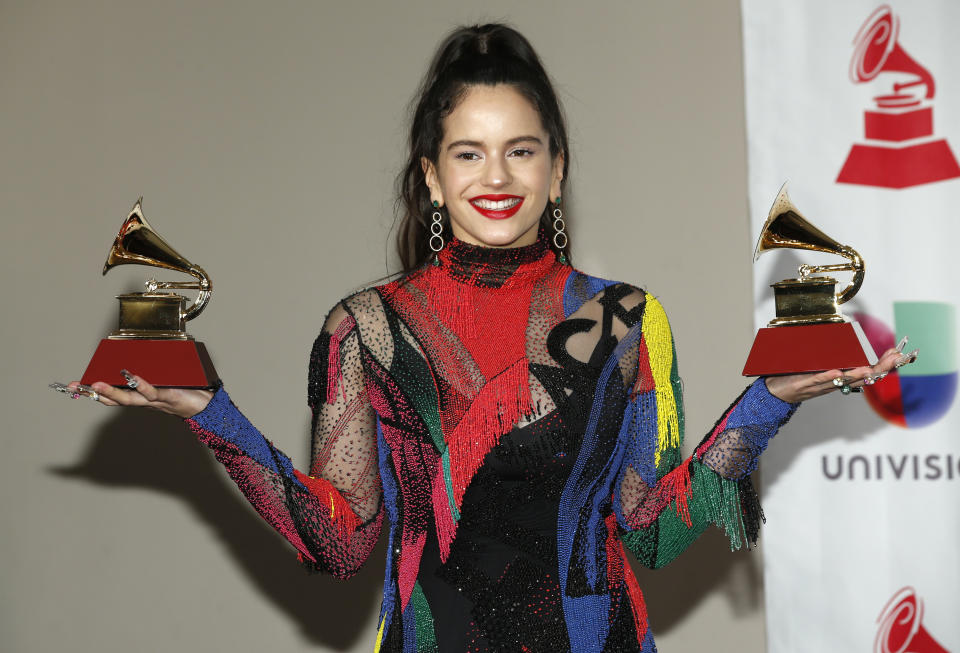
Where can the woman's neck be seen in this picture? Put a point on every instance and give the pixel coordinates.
(492, 267)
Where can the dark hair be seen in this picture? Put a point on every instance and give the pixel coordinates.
(478, 55)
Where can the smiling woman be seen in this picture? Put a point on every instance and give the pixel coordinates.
(516, 423)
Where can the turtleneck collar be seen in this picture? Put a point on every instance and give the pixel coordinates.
(492, 267)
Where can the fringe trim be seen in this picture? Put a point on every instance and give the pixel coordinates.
(734, 506)
(444, 509)
(496, 409)
(659, 342)
(679, 488)
(750, 509)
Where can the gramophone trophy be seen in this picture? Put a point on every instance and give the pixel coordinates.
(808, 334)
(151, 340)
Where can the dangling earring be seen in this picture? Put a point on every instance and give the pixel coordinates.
(436, 231)
(559, 236)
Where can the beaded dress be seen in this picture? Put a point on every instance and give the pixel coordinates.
(518, 424)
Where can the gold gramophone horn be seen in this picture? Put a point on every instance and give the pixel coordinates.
(137, 242)
(786, 228)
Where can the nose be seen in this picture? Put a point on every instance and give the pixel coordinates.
(496, 173)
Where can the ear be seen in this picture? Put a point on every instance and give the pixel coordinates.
(556, 177)
(432, 180)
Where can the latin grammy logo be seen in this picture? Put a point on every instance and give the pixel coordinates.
(901, 150)
(901, 628)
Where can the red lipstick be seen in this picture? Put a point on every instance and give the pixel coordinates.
(495, 213)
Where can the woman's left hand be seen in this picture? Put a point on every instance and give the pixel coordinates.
(800, 387)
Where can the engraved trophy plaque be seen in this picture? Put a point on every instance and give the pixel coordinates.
(151, 338)
(809, 334)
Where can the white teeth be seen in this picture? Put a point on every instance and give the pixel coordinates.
(499, 205)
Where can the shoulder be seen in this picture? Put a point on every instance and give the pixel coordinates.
(582, 288)
(362, 305)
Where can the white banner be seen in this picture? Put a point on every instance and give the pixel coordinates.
(857, 104)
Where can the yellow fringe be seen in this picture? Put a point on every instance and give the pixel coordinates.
(331, 505)
(656, 333)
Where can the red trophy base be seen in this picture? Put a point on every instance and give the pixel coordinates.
(808, 348)
(164, 363)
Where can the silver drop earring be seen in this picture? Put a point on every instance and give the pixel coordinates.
(436, 231)
(559, 235)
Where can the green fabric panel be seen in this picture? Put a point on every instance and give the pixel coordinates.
(448, 481)
(643, 544)
(409, 369)
(423, 621)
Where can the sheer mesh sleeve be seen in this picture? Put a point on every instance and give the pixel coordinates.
(333, 514)
(662, 502)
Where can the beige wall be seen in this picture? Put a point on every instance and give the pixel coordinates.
(264, 138)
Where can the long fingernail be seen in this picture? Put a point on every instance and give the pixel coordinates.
(903, 343)
(906, 359)
(131, 382)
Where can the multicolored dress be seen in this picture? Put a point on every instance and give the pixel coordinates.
(518, 425)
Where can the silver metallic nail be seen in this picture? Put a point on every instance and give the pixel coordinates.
(906, 359)
(77, 391)
(903, 343)
(61, 387)
(87, 391)
(132, 383)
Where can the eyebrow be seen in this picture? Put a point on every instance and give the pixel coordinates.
(512, 141)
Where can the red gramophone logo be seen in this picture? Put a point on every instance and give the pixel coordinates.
(901, 630)
(901, 150)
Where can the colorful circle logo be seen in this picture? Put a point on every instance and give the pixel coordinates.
(921, 393)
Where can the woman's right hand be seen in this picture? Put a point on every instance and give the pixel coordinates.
(181, 402)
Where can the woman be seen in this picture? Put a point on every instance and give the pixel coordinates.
(517, 421)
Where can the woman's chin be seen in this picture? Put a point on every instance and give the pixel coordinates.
(493, 235)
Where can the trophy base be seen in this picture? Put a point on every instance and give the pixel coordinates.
(808, 348)
(164, 363)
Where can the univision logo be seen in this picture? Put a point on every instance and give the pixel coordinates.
(921, 393)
